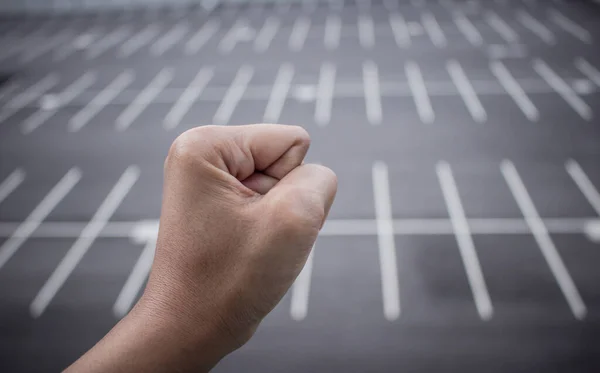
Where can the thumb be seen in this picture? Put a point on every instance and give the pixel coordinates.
(304, 196)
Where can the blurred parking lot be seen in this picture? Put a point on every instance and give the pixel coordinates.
(465, 135)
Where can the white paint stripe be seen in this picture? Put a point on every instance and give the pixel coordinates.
(139, 40)
(385, 239)
(83, 243)
(325, 92)
(33, 92)
(28, 96)
(231, 38)
(301, 290)
(433, 29)
(502, 28)
(570, 26)
(279, 93)
(584, 184)
(543, 239)
(536, 27)
(144, 229)
(465, 241)
(372, 92)
(88, 112)
(588, 70)
(400, 30)
(266, 34)
(234, 94)
(85, 39)
(468, 29)
(299, 34)
(188, 97)
(563, 89)
(336, 5)
(332, 33)
(466, 91)
(145, 98)
(515, 91)
(69, 94)
(109, 41)
(35, 218)
(366, 31)
(168, 40)
(11, 183)
(200, 38)
(135, 281)
(419, 92)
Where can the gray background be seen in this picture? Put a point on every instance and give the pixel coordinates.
(44, 59)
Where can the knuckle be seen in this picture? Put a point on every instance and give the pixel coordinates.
(193, 145)
(301, 212)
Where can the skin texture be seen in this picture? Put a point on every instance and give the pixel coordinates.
(240, 214)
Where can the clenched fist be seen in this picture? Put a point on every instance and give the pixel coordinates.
(240, 214)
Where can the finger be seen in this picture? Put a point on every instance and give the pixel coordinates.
(260, 183)
(308, 191)
(274, 149)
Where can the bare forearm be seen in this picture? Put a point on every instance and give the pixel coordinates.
(145, 341)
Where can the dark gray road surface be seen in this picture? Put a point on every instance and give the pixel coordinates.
(465, 134)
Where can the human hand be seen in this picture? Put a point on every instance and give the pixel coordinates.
(240, 214)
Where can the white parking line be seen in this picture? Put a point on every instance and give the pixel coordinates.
(299, 34)
(336, 5)
(11, 183)
(145, 98)
(536, 27)
(584, 184)
(512, 87)
(563, 89)
(419, 92)
(231, 38)
(188, 97)
(301, 290)
(168, 40)
(109, 41)
(468, 29)
(139, 40)
(465, 241)
(325, 91)
(28, 96)
(135, 281)
(200, 38)
(234, 94)
(502, 28)
(433, 29)
(69, 94)
(466, 91)
(372, 92)
(279, 93)
(366, 31)
(88, 112)
(142, 230)
(588, 70)
(385, 239)
(266, 34)
(400, 30)
(35, 218)
(570, 26)
(332, 33)
(543, 239)
(84, 242)
(84, 40)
